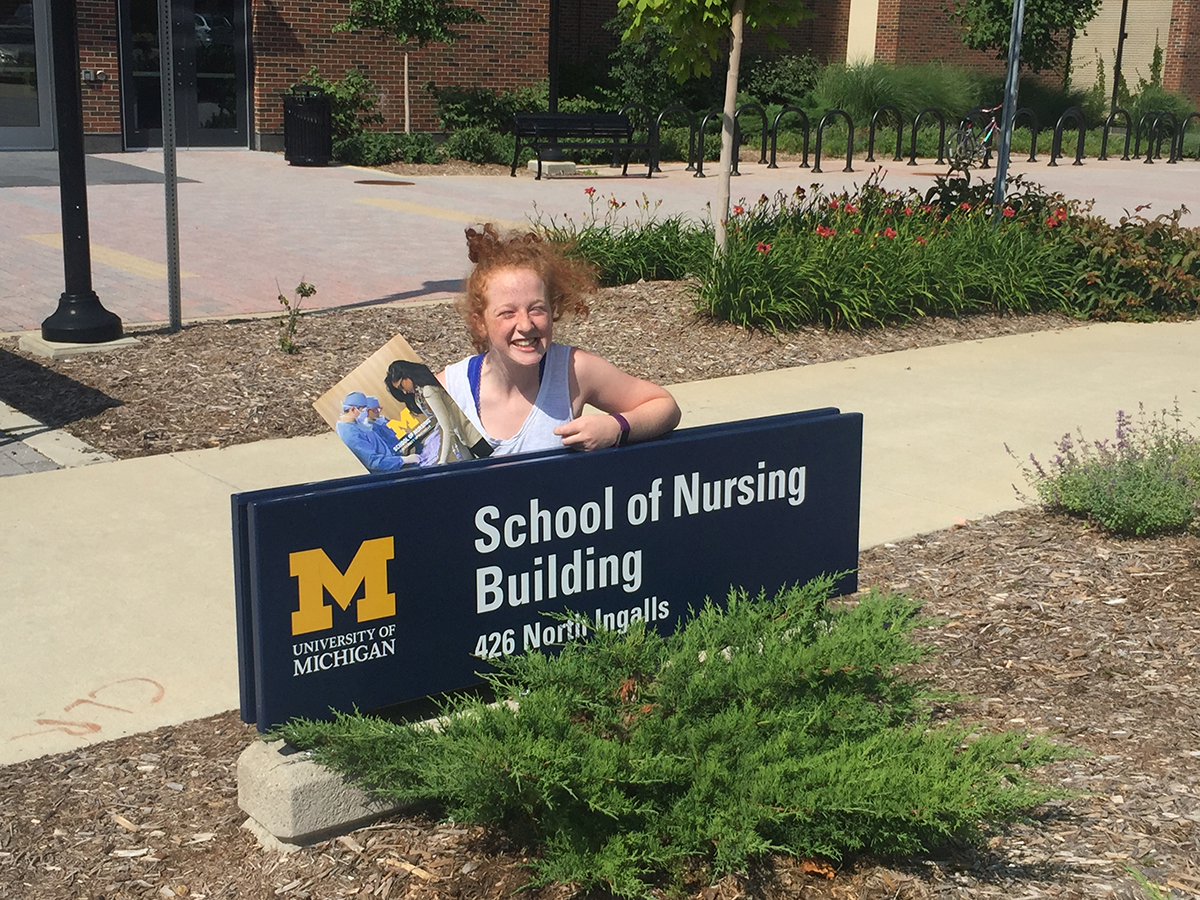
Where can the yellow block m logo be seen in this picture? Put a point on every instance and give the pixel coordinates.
(317, 574)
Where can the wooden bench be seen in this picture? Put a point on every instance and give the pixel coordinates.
(577, 131)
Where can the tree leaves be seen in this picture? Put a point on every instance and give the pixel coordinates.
(1048, 25)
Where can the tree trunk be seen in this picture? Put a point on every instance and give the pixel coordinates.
(721, 212)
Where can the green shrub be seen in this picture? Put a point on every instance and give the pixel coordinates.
(473, 107)
(416, 148)
(378, 148)
(624, 251)
(638, 73)
(1141, 269)
(1048, 100)
(1155, 99)
(862, 88)
(352, 102)
(786, 80)
(478, 145)
(774, 725)
(1147, 481)
(878, 256)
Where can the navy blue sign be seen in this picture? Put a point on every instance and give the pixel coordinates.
(367, 592)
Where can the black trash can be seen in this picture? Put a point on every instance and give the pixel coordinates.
(307, 126)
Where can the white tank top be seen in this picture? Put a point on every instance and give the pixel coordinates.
(551, 408)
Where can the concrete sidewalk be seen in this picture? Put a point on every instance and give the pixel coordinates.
(118, 578)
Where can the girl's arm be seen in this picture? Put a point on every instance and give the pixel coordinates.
(649, 409)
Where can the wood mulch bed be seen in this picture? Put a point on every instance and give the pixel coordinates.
(1043, 623)
(220, 383)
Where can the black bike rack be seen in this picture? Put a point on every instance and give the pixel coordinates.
(737, 131)
(830, 115)
(775, 133)
(1155, 134)
(691, 120)
(1033, 129)
(912, 154)
(1108, 124)
(886, 108)
(1074, 114)
(1183, 132)
(718, 114)
(1144, 129)
(1161, 126)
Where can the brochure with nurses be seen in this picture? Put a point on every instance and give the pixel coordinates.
(391, 412)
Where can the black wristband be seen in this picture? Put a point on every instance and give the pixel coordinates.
(624, 423)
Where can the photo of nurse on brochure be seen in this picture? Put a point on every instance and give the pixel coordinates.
(391, 412)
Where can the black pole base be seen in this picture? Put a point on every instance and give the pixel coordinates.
(81, 319)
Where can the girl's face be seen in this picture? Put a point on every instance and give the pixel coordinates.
(516, 319)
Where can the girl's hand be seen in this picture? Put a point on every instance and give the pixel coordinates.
(591, 432)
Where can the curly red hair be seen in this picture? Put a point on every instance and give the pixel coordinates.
(567, 281)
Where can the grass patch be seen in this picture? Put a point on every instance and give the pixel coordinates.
(770, 725)
(628, 250)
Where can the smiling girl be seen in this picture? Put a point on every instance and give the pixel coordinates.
(524, 392)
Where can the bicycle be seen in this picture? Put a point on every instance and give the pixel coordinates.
(969, 145)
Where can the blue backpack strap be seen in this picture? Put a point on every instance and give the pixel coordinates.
(475, 367)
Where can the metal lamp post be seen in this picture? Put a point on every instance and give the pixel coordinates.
(80, 317)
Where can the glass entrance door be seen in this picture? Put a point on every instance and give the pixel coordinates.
(26, 102)
(212, 88)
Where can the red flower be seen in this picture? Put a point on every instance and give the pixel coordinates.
(887, 211)
(854, 231)
(1061, 214)
(1008, 212)
(833, 205)
(825, 232)
(920, 240)
(926, 208)
(908, 210)
(851, 208)
(589, 191)
(965, 206)
(889, 233)
(1051, 221)
(737, 210)
(762, 248)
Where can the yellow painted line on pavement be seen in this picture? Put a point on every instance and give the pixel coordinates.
(118, 259)
(451, 215)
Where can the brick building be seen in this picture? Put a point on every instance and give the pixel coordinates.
(236, 58)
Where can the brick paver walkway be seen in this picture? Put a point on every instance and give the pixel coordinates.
(249, 220)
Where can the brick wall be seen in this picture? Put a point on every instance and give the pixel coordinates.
(920, 31)
(1181, 57)
(97, 23)
(290, 36)
(823, 36)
